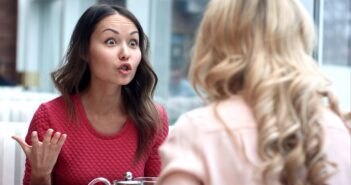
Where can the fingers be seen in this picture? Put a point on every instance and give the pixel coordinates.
(35, 139)
(47, 138)
(55, 138)
(62, 140)
(45, 150)
(53, 141)
(25, 147)
(58, 138)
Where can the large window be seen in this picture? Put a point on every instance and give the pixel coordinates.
(171, 26)
(186, 16)
(337, 32)
(334, 54)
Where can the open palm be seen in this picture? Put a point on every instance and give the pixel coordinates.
(42, 155)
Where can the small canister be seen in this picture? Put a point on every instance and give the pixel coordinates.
(127, 180)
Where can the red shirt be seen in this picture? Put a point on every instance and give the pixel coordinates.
(88, 154)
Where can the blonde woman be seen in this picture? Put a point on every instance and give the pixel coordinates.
(266, 121)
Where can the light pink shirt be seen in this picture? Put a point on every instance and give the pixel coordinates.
(200, 147)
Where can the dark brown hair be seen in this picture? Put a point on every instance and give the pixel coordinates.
(73, 77)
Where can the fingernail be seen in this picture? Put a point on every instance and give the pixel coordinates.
(34, 133)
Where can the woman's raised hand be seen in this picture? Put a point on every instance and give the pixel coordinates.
(42, 155)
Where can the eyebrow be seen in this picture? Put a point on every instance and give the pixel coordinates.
(116, 32)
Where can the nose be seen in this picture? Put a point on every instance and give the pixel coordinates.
(124, 53)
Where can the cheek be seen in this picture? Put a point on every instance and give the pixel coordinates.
(137, 58)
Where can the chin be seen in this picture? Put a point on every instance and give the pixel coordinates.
(125, 82)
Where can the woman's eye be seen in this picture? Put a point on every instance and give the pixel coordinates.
(133, 43)
(110, 42)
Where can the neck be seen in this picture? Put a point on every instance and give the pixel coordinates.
(102, 101)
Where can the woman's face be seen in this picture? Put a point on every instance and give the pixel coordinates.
(114, 53)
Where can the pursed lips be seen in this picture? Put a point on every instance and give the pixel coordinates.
(124, 68)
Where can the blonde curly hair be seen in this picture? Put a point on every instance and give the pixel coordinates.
(262, 49)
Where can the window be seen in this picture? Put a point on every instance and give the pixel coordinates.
(114, 2)
(334, 54)
(337, 32)
(173, 27)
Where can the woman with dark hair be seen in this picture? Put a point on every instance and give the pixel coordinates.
(106, 110)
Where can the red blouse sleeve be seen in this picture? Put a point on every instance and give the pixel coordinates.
(39, 123)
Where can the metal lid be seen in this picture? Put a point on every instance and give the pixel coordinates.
(116, 182)
(128, 176)
(128, 180)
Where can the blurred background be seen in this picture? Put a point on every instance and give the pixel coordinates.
(34, 36)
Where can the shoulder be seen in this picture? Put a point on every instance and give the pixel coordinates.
(233, 111)
(59, 102)
(161, 110)
(162, 113)
(332, 121)
(197, 117)
(190, 125)
(41, 120)
(55, 108)
(46, 106)
(160, 125)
